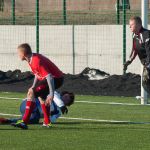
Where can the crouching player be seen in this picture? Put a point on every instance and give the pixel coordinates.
(48, 77)
(58, 107)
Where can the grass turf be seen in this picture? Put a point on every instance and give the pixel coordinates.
(87, 17)
(80, 134)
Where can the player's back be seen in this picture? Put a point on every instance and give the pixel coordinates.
(39, 62)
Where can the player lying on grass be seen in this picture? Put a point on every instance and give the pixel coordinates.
(58, 107)
(141, 47)
(47, 79)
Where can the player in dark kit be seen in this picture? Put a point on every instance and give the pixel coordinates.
(48, 77)
(141, 47)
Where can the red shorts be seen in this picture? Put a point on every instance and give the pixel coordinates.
(41, 88)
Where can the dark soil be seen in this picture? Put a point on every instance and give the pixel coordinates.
(114, 85)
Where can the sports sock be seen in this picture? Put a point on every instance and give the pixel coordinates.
(46, 114)
(30, 105)
(48, 111)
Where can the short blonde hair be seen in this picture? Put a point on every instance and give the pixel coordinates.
(137, 19)
(26, 48)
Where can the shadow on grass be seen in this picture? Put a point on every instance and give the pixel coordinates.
(85, 125)
(96, 122)
(6, 129)
(68, 123)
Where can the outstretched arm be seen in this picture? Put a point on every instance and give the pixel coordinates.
(132, 55)
(131, 58)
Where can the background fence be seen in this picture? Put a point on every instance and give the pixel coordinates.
(73, 33)
(58, 12)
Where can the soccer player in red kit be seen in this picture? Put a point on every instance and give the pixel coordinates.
(47, 79)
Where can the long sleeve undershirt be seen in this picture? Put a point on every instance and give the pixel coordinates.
(34, 82)
(50, 81)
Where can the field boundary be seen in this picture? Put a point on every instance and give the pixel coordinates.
(89, 102)
(87, 119)
(70, 118)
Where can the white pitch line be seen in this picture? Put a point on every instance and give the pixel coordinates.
(69, 118)
(10, 98)
(90, 102)
(86, 119)
(13, 115)
(108, 103)
(96, 120)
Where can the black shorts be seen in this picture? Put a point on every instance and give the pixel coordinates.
(41, 88)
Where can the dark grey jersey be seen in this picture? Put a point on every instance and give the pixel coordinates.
(141, 44)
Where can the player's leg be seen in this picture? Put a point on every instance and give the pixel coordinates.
(41, 91)
(55, 112)
(46, 113)
(30, 105)
(57, 83)
(5, 121)
(35, 116)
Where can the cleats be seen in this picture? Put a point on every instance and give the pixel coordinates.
(20, 124)
(47, 125)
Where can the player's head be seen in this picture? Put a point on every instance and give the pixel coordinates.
(24, 51)
(67, 98)
(135, 24)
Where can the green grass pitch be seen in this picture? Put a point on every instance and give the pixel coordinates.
(80, 134)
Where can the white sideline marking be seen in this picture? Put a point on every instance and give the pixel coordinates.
(13, 115)
(86, 119)
(108, 103)
(69, 118)
(10, 98)
(96, 120)
(90, 102)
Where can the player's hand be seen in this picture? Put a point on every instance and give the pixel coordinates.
(126, 64)
(30, 90)
(30, 93)
(146, 74)
(49, 100)
(64, 109)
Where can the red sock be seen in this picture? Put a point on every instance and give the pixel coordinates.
(46, 114)
(30, 105)
(48, 111)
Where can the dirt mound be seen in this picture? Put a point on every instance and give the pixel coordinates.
(14, 76)
(115, 85)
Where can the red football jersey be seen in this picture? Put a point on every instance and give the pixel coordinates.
(42, 66)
